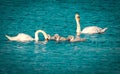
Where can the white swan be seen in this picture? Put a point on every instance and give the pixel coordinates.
(77, 39)
(88, 30)
(21, 37)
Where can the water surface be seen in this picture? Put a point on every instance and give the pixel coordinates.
(100, 53)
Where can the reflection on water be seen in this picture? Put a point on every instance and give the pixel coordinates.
(40, 48)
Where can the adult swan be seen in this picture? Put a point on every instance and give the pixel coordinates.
(87, 30)
(21, 37)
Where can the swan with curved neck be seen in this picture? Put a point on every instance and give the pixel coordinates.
(21, 37)
(71, 38)
(87, 30)
(44, 34)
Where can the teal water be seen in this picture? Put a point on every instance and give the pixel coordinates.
(99, 54)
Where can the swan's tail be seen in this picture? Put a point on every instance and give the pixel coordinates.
(10, 38)
(103, 30)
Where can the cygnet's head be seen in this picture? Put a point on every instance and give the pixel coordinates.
(56, 36)
(77, 17)
(70, 37)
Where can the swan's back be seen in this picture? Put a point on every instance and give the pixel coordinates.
(92, 30)
(24, 37)
(21, 37)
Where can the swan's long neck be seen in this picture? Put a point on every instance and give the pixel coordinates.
(40, 31)
(78, 30)
(78, 27)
